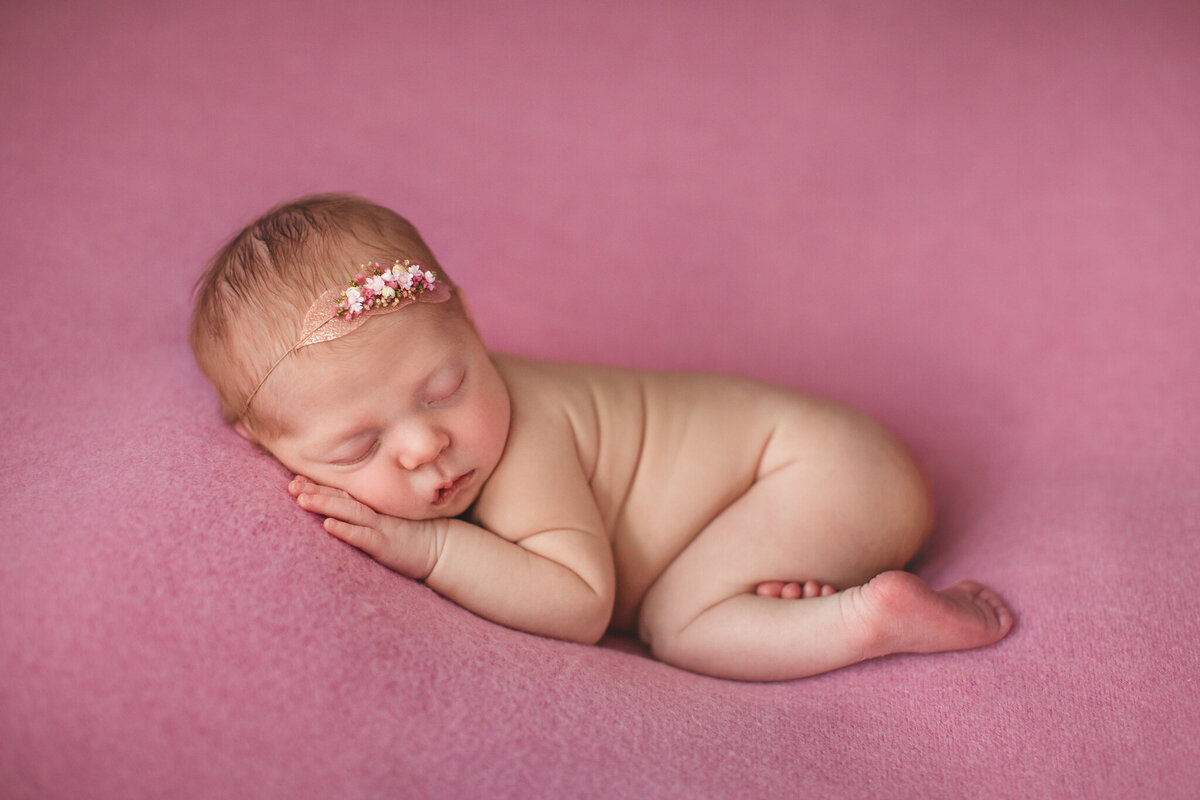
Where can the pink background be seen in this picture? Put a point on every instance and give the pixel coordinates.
(978, 222)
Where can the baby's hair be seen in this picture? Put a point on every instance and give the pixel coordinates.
(251, 300)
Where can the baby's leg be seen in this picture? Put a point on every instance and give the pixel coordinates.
(748, 637)
(842, 516)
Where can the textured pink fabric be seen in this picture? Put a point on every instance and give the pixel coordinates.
(976, 221)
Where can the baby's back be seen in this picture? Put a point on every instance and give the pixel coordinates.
(664, 452)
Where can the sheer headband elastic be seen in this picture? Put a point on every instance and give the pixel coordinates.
(375, 290)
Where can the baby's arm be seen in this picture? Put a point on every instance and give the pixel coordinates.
(543, 563)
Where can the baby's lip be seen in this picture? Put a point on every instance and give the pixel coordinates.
(448, 490)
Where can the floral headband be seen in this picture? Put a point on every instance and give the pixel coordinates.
(375, 290)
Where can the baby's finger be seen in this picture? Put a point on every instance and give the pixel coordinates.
(301, 485)
(369, 540)
(341, 506)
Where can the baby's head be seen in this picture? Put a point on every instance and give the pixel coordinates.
(406, 412)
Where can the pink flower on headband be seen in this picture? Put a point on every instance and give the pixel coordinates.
(403, 281)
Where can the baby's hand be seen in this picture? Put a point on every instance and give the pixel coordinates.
(410, 547)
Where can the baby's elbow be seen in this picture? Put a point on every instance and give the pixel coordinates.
(592, 623)
(596, 601)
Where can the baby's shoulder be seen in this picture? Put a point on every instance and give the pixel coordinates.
(582, 406)
(588, 390)
(550, 386)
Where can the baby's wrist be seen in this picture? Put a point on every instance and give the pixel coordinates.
(434, 533)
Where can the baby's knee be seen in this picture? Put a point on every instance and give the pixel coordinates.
(913, 511)
(892, 493)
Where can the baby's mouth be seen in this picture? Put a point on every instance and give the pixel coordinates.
(447, 491)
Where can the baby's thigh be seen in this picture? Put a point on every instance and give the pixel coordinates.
(837, 500)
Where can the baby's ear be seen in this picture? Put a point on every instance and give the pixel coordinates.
(244, 432)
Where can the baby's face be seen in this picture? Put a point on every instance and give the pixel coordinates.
(410, 417)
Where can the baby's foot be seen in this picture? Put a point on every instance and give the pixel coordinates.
(792, 590)
(904, 615)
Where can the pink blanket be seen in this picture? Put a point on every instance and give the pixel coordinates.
(977, 221)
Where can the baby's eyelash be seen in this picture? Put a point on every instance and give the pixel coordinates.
(370, 451)
(446, 395)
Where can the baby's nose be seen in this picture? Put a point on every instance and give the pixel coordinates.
(422, 447)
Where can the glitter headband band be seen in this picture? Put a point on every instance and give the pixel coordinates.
(375, 290)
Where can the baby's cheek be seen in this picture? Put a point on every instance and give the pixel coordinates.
(384, 493)
(492, 432)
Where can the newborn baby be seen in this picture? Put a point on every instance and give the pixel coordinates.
(738, 529)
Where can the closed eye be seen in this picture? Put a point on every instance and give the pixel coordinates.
(357, 457)
(446, 389)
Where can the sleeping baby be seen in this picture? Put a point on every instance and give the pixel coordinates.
(738, 529)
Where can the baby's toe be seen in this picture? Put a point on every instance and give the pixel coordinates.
(769, 589)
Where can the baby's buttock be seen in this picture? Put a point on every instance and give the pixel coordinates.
(698, 445)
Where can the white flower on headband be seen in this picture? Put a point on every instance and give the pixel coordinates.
(384, 287)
